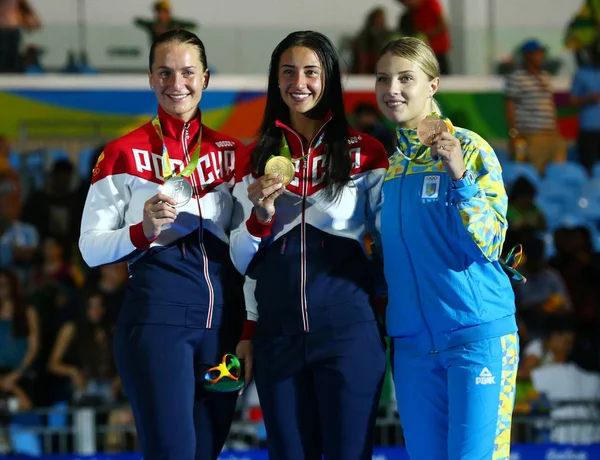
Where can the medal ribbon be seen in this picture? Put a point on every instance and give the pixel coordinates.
(419, 157)
(285, 151)
(166, 163)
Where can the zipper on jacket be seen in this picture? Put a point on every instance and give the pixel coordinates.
(411, 263)
(303, 245)
(303, 256)
(185, 136)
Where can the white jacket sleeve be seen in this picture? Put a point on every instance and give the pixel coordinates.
(250, 299)
(104, 236)
(246, 231)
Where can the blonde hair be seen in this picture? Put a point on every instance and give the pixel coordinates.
(416, 51)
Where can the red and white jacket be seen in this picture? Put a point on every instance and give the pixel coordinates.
(299, 247)
(129, 172)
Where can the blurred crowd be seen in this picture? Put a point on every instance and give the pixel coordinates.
(56, 316)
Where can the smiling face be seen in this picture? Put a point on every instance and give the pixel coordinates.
(404, 92)
(301, 79)
(178, 79)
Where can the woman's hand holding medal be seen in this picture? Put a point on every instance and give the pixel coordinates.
(158, 211)
(447, 147)
(263, 193)
(439, 136)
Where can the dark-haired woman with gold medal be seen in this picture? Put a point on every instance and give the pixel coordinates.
(308, 191)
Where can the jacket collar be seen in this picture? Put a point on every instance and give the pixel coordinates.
(408, 138)
(296, 138)
(172, 127)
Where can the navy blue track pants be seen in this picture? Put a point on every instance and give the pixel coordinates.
(319, 392)
(175, 323)
(162, 368)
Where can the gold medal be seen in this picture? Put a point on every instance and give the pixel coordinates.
(281, 166)
(429, 127)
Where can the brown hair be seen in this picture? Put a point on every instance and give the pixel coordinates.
(182, 37)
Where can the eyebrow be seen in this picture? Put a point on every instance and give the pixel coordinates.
(169, 68)
(399, 73)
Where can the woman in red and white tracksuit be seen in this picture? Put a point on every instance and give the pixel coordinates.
(183, 307)
(319, 359)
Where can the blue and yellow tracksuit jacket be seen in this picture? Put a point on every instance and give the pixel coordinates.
(441, 248)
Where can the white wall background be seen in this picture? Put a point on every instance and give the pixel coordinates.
(240, 34)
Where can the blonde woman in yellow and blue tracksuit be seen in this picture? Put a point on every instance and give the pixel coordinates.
(451, 312)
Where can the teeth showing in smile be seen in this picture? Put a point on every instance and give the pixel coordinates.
(177, 96)
(300, 96)
(394, 104)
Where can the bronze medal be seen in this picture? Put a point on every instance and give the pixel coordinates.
(428, 128)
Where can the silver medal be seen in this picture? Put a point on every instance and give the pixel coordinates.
(179, 189)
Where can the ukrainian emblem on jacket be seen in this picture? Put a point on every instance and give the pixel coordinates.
(431, 187)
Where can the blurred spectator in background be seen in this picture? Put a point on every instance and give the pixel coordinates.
(163, 21)
(77, 63)
(585, 94)
(31, 61)
(554, 346)
(579, 267)
(544, 296)
(574, 394)
(54, 268)
(83, 353)
(15, 15)
(19, 241)
(53, 209)
(583, 31)
(369, 42)
(523, 216)
(425, 19)
(111, 284)
(366, 118)
(56, 305)
(531, 112)
(4, 154)
(19, 334)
